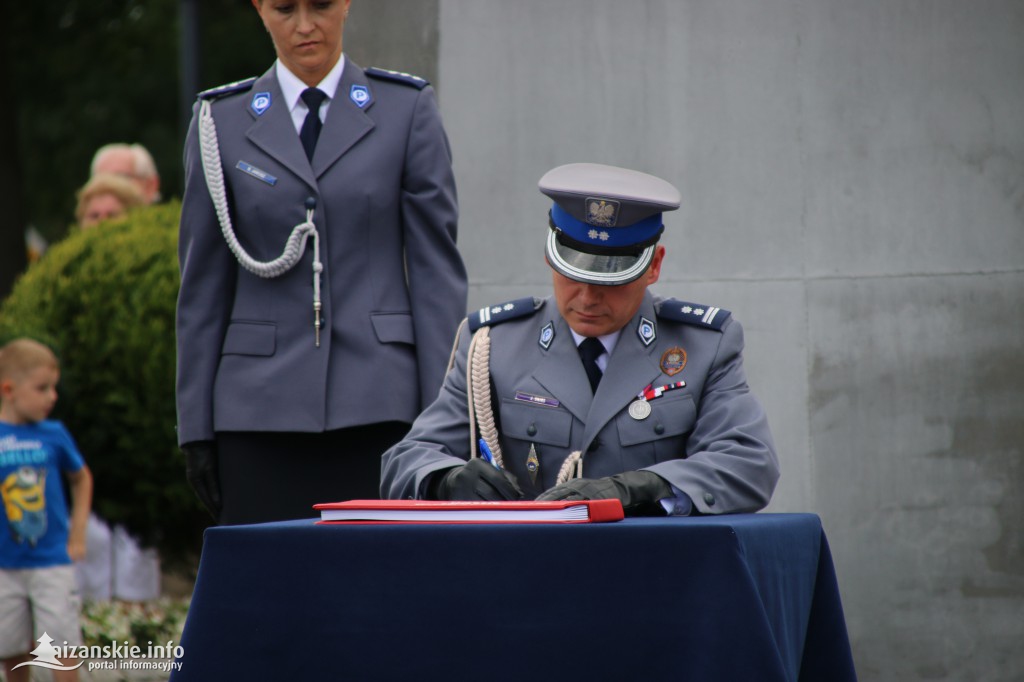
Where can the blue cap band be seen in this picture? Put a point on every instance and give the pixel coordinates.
(631, 235)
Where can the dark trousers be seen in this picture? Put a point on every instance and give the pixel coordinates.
(269, 476)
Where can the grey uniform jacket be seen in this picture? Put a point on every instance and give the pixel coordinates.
(710, 439)
(393, 283)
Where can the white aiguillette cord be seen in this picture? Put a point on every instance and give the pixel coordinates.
(294, 248)
(481, 410)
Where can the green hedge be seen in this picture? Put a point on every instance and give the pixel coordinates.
(104, 300)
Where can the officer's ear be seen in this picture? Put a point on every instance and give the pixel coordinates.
(654, 269)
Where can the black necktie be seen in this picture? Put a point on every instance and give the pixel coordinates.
(590, 350)
(311, 126)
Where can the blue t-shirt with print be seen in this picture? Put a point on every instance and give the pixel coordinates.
(32, 457)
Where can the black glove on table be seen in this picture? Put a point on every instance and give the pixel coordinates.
(639, 491)
(478, 479)
(201, 472)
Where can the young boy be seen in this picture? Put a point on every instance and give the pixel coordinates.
(37, 582)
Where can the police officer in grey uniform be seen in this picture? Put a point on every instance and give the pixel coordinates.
(603, 390)
(321, 287)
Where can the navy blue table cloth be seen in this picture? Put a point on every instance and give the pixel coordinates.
(734, 598)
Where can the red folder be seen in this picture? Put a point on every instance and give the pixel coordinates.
(428, 511)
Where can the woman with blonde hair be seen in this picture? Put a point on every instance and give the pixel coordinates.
(106, 196)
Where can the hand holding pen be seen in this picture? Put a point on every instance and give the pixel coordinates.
(478, 479)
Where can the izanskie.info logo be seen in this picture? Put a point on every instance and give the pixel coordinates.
(114, 656)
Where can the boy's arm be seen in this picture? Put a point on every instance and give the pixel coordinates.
(80, 484)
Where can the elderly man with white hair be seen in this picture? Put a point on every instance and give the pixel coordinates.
(132, 161)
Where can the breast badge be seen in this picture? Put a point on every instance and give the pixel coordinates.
(673, 360)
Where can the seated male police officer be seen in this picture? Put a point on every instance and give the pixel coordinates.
(604, 391)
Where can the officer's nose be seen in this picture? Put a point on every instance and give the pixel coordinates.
(590, 294)
(305, 20)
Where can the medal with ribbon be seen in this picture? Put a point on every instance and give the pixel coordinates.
(641, 407)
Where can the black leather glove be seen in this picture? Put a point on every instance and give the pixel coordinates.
(639, 491)
(478, 479)
(201, 472)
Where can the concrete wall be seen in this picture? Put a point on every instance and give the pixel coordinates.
(853, 189)
(401, 35)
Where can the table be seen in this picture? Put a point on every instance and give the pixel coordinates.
(741, 597)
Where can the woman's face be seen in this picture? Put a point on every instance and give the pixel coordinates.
(306, 34)
(101, 207)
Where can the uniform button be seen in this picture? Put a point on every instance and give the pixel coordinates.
(709, 499)
(531, 430)
(659, 428)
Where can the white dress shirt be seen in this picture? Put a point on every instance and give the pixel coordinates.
(292, 87)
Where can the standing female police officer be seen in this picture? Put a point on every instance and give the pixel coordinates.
(320, 282)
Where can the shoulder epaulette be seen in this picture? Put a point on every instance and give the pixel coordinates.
(397, 76)
(503, 312)
(707, 316)
(229, 89)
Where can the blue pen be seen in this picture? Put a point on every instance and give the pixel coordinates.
(485, 452)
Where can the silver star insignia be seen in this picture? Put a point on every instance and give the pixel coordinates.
(495, 310)
(508, 306)
(698, 311)
(687, 309)
(592, 234)
(603, 236)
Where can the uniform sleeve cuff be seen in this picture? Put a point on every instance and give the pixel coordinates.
(678, 505)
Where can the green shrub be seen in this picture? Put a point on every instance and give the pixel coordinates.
(104, 300)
